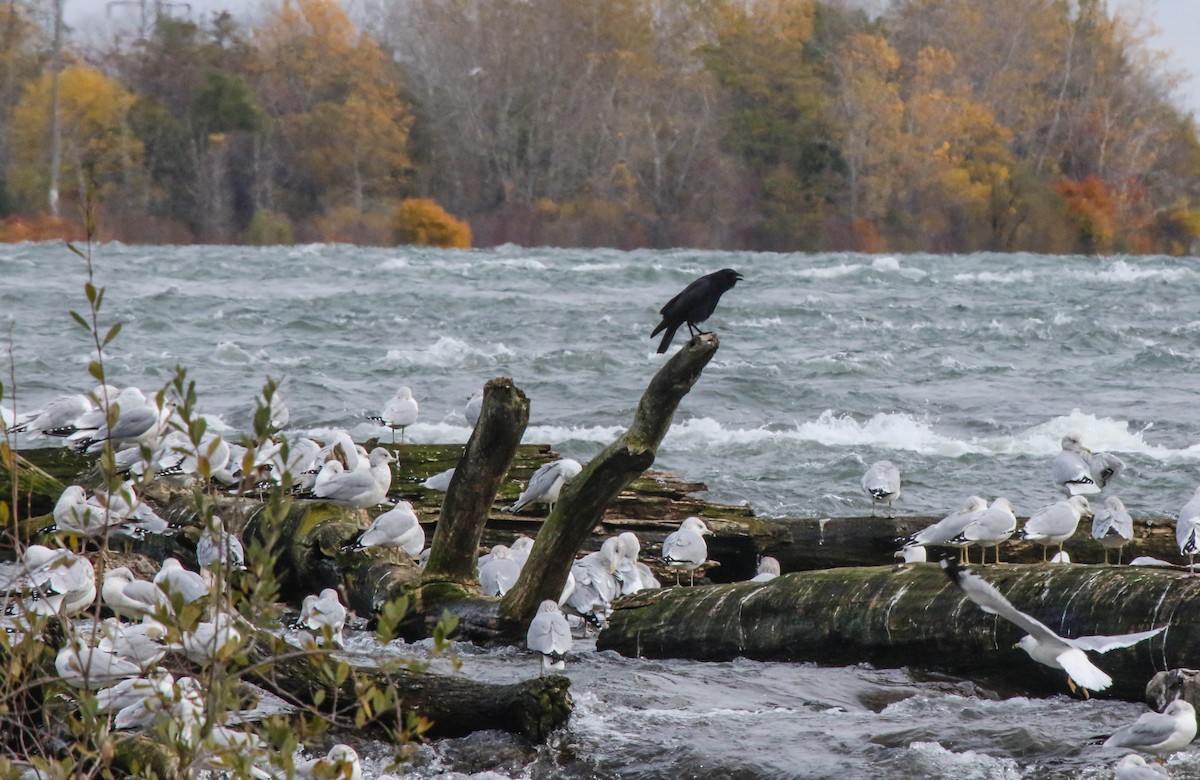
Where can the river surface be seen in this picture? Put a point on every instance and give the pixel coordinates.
(965, 371)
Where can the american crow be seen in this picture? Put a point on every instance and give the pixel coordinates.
(694, 304)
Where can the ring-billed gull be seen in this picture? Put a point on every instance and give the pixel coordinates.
(340, 762)
(473, 408)
(685, 549)
(396, 528)
(990, 528)
(130, 597)
(546, 483)
(399, 412)
(1158, 733)
(440, 481)
(141, 643)
(595, 582)
(324, 617)
(499, 572)
(360, 487)
(1187, 530)
(81, 666)
(1134, 767)
(950, 526)
(1077, 470)
(882, 483)
(1056, 523)
(550, 635)
(217, 547)
(1040, 642)
(768, 569)
(176, 581)
(628, 573)
(694, 304)
(1112, 526)
(47, 581)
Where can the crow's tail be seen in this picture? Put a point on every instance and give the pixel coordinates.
(666, 339)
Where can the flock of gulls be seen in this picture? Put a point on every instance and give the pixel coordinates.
(1077, 472)
(119, 657)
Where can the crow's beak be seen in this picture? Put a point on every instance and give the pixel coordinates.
(740, 277)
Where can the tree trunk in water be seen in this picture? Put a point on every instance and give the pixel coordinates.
(484, 463)
(582, 503)
(914, 616)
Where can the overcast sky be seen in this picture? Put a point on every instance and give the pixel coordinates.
(1178, 23)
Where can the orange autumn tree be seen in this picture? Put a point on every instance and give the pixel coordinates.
(1092, 210)
(336, 101)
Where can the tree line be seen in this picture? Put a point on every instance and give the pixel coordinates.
(776, 125)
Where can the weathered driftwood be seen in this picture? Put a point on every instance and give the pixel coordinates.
(484, 463)
(913, 616)
(583, 501)
(455, 705)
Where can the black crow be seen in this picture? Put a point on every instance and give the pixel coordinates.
(694, 304)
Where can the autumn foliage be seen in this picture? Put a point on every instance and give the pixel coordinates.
(783, 125)
(423, 222)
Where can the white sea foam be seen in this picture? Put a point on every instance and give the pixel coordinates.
(968, 765)
(1122, 272)
(830, 272)
(997, 277)
(448, 351)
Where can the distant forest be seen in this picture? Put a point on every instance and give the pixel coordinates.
(776, 125)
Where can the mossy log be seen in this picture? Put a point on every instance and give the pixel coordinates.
(912, 616)
(455, 705)
(867, 541)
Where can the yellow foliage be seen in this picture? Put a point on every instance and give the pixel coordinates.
(97, 143)
(423, 222)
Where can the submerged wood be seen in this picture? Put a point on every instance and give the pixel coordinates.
(914, 617)
(456, 705)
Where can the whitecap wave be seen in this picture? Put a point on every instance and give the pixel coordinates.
(996, 277)
(1122, 272)
(448, 351)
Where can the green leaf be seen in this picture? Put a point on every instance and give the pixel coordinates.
(79, 318)
(96, 369)
(76, 250)
(112, 334)
(89, 289)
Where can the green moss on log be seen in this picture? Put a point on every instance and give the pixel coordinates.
(913, 616)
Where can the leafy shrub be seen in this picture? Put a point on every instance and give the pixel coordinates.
(422, 221)
(268, 227)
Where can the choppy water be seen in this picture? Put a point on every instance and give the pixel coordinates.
(965, 371)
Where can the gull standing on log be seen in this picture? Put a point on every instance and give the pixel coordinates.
(1040, 642)
(546, 483)
(950, 526)
(685, 549)
(882, 483)
(1187, 530)
(359, 488)
(1056, 523)
(1112, 526)
(398, 528)
(399, 412)
(550, 635)
(990, 528)
(694, 305)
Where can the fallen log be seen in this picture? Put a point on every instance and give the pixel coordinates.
(453, 705)
(914, 617)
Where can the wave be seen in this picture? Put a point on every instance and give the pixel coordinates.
(1122, 272)
(449, 351)
(997, 277)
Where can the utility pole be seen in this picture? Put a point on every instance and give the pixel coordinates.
(55, 113)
